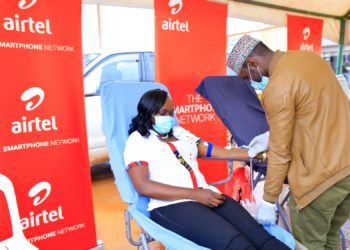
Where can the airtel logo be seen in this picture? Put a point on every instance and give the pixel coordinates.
(17, 23)
(305, 45)
(175, 25)
(31, 93)
(25, 125)
(38, 188)
(176, 6)
(44, 216)
(306, 33)
(23, 4)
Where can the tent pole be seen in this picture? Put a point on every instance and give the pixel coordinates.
(341, 46)
(99, 25)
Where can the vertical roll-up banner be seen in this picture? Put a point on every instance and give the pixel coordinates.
(45, 185)
(190, 45)
(304, 33)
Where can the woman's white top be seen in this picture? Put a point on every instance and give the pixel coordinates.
(163, 166)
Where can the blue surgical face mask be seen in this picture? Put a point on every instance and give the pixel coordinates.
(260, 85)
(163, 124)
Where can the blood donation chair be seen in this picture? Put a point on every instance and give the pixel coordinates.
(119, 105)
(238, 106)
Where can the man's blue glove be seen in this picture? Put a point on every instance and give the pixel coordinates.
(266, 213)
(260, 143)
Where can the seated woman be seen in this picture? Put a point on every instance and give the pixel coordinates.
(161, 162)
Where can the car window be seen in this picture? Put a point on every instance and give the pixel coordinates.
(149, 66)
(116, 67)
(88, 58)
(129, 70)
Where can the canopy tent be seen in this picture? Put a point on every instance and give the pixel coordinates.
(335, 13)
(273, 11)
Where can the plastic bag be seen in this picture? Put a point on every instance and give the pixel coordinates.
(239, 187)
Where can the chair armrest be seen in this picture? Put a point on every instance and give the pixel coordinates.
(230, 167)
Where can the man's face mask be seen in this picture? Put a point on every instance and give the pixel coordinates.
(258, 85)
(163, 124)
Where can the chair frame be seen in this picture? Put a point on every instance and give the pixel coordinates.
(144, 237)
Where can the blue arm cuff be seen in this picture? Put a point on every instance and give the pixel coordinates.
(210, 148)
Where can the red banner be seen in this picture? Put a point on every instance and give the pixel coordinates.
(304, 33)
(45, 186)
(191, 44)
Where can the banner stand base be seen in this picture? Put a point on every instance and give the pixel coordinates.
(99, 246)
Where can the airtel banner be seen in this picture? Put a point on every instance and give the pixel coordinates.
(45, 187)
(191, 44)
(304, 33)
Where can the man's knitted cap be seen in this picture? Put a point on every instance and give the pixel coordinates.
(240, 52)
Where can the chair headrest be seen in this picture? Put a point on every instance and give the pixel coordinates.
(237, 105)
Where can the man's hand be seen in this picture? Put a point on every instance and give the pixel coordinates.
(208, 197)
(260, 143)
(266, 213)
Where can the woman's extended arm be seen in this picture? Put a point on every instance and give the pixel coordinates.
(217, 151)
(144, 186)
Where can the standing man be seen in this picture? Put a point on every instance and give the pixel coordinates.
(309, 142)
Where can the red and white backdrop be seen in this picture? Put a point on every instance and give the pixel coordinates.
(304, 33)
(45, 187)
(191, 44)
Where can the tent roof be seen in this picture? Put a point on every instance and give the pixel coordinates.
(333, 8)
(273, 11)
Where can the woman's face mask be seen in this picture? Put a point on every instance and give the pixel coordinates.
(163, 124)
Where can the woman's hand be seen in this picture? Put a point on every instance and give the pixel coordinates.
(144, 186)
(208, 197)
